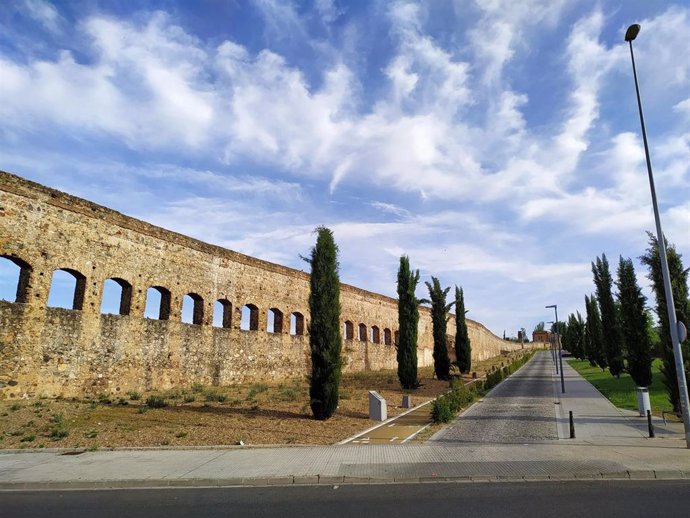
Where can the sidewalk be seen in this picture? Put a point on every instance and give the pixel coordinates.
(598, 421)
(609, 446)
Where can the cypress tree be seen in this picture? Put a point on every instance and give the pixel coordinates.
(408, 321)
(634, 324)
(581, 336)
(439, 318)
(611, 331)
(679, 287)
(594, 340)
(324, 329)
(463, 348)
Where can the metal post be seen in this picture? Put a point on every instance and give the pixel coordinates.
(668, 292)
(558, 347)
(560, 350)
(650, 426)
(572, 425)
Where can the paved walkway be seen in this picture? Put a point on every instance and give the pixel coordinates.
(597, 420)
(519, 410)
(609, 445)
(399, 430)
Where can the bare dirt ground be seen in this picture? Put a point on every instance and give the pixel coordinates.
(255, 413)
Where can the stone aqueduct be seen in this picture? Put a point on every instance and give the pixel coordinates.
(69, 352)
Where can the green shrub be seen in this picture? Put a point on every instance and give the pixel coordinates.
(189, 398)
(181, 435)
(442, 409)
(91, 435)
(58, 433)
(197, 388)
(134, 395)
(156, 402)
(104, 399)
(28, 438)
(291, 394)
(255, 389)
(15, 406)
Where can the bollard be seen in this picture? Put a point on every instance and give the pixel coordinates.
(572, 425)
(649, 424)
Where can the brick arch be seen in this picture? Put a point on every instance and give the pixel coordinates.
(79, 290)
(23, 279)
(125, 296)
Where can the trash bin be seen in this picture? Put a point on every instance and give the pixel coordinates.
(643, 400)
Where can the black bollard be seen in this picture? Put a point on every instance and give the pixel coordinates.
(572, 425)
(649, 424)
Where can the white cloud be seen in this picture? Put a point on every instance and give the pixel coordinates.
(45, 13)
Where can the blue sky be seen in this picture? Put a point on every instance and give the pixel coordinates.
(494, 142)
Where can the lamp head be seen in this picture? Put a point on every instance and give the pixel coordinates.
(632, 32)
(551, 306)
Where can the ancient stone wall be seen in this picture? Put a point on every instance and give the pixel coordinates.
(54, 351)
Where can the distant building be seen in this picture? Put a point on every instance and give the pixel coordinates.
(541, 336)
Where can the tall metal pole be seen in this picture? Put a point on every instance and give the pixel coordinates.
(558, 346)
(630, 35)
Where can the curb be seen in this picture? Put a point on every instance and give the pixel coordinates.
(318, 480)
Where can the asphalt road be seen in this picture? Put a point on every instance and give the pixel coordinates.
(611, 499)
(519, 410)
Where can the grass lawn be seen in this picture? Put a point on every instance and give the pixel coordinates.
(621, 392)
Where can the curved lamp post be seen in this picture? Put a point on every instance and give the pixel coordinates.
(676, 327)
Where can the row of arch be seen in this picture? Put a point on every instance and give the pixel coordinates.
(68, 287)
(372, 335)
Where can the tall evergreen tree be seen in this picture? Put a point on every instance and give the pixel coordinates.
(324, 329)
(634, 324)
(408, 320)
(571, 336)
(581, 336)
(463, 348)
(594, 341)
(609, 318)
(679, 287)
(439, 319)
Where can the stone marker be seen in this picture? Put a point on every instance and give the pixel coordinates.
(378, 411)
(407, 401)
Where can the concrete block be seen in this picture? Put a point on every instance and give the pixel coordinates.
(378, 410)
(407, 401)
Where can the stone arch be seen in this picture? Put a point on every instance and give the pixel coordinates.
(375, 334)
(158, 301)
(117, 293)
(387, 336)
(23, 276)
(348, 330)
(296, 323)
(192, 309)
(362, 332)
(65, 287)
(222, 314)
(250, 318)
(274, 322)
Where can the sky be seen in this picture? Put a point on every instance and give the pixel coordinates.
(496, 143)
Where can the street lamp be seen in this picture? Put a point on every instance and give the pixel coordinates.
(677, 328)
(558, 340)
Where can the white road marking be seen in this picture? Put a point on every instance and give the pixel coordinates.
(393, 439)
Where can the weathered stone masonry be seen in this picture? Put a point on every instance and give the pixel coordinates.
(53, 351)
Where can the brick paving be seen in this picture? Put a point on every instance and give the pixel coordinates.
(521, 409)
